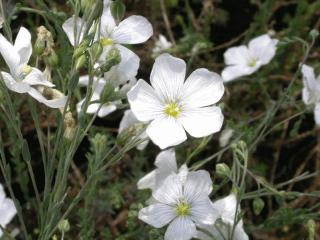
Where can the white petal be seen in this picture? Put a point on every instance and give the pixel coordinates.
(311, 90)
(182, 228)
(197, 184)
(201, 122)
(263, 48)
(36, 77)
(2, 193)
(9, 54)
(74, 27)
(236, 56)
(23, 45)
(202, 88)
(230, 73)
(202, 211)
(167, 76)
(7, 211)
(107, 109)
(166, 132)
(317, 114)
(107, 21)
(54, 103)
(166, 160)
(132, 30)
(144, 102)
(157, 214)
(126, 69)
(19, 87)
(170, 190)
(226, 207)
(148, 181)
(128, 120)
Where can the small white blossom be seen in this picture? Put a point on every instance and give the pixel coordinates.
(222, 229)
(161, 45)
(98, 86)
(311, 91)
(22, 77)
(243, 60)
(181, 203)
(174, 106)
(132, 30)
(7, 209)
(129, 120)
(225, 137)
(166, 164)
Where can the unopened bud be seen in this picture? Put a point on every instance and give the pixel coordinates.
(39, 46)
(96, 50)
(258, 205)
(311, 225)
(113, 58)
(91, 9)
(108, 93)
(118, 9)
(223, 170)
(64, 225)
(80, 62)
(52, 59)
(314, 33)
(81, 48)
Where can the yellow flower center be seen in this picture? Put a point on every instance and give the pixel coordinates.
(26, 70)
(252, 62)
(183, 209)
(106, 41)
(172, 110)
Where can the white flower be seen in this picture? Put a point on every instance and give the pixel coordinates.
(161, 45)
(128, 121)
(23, 78)
(181, 204)
(98, 86)
(222, 229)
(166, 164)
(243, 60)
(132, 30)
(7, 209)
(225, 137)
(174, 106)
(311, 90)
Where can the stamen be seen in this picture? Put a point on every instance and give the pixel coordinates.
(183, 209)
(106, 41)
(172, 110)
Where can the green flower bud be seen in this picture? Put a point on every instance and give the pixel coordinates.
(81, 48)
(223, 170)
(108, 93)
(314, 33)
(91, 9)
(80, 62)
(113, 58)
(96, 50)
(64, 225)
(311, 225)
(52, 59)
(39, 46)
(258, 205)
(118, 9)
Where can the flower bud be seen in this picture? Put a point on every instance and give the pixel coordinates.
(108, 93)
(80, 62)
(64, 225)
(113, 58)
(81, 48)
(223, 170)
(311, 225)
(118, 9)
(314, 33)
(258, 205)
(39, 46)
(91, 9)
(52, 59)
(96, 50)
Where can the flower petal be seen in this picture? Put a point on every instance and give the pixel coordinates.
(9, 54)
(74, 27)
(23, 45)
(107, 21)
(107, 109)
(310, 93)
(132, 30)
(201, 122)
(263, 48)
(182, 228)
(236, 56)
(202, 211)
(157, 214)
(197, 184)
(231, 73)
(317, 114)
(128, 120)
(166, 132)
(144, 102)
(170, 191)
(54, 103)
(202, 88)
(226, 207)
(19, 87)
(148, 181)
(166, 160)
(7, 211)
(167, 77)
(36, 77)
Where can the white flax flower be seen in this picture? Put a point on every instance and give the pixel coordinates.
(132, 30)
(129, 121)
(311, 91)
(245, 60)
(181, 203)
(225, 208)
(174, 106)
(161, 45)
(22, 77)
(7, 209)
(166, 164)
